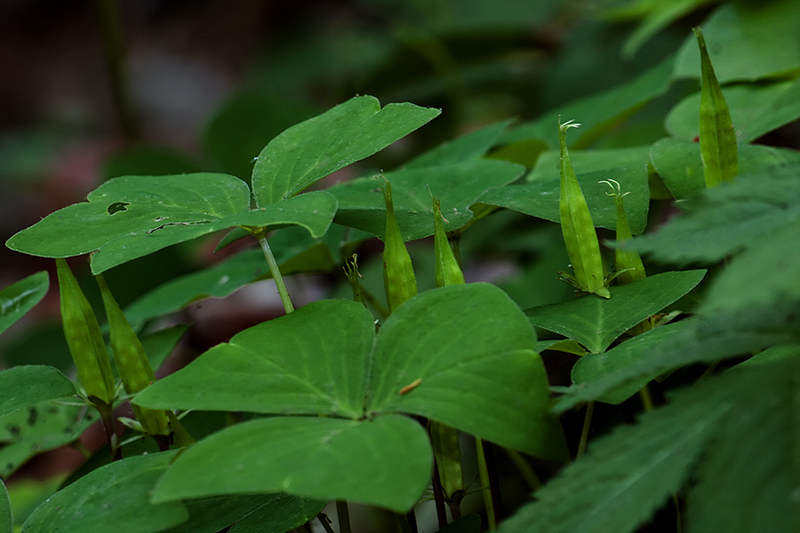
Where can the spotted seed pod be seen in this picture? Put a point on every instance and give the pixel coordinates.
(85, 340)
(132, 364)
(398, 272)
(580, 236)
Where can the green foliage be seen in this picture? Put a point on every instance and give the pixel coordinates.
(339, 400)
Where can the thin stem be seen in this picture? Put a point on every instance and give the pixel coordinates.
(438, 497)
(107, 417)
(587, 422)
(525, 469)
(343, 513)
(483, 470)
(408, 522)
(647, 399)
(275, 271)
(494, 481)
(325, 521)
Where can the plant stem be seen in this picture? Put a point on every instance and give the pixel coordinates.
(441, 512)
(274, 270)
(107, 417)
(525, 469)
(113, 45)
(587, 422)
(325, 521)
(483, 471)
(408, 522)
(343, 513)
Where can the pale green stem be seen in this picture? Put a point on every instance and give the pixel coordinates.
(485, 485)
(525, 469)
(276, 272)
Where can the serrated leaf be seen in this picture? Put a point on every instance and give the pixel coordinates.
(756, 109)
(540, 199)
(750, 41)
(597, 322)
(311, 150)
(385, 461)
(6, 513)
(593, 367)
(31, 384)
(469, 345)
(458, 187)
(117, 494)
(132, 216)
(599, 112)
(20, 297)
(749, 479)
(726, 220)
(274, 513)
(626, 476)
(696, 340)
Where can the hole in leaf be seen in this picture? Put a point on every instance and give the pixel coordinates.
(117, 207)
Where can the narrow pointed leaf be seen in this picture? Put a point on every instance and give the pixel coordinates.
(31, 384)
(6, 513)
(596, 323)
(385, 461)
(322, 145)
(19, 298)
(470, 146)
(117, 494)
(717, 137)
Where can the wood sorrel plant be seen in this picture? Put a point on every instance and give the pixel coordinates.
(320, 404)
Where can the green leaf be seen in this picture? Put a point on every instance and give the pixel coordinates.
(467, 147)
(696, 340)
(593, 367)
(38, 428)
(132, 216)
(6, 512)
(385, 461)
(540, 199)
(470, 345)
(117, 494)
(717, 136)
(458, 187)
(27, 385)
(725, 220)
(626, 476)
(679, 165)
(749, 479)
(311, 150)
(600, 112)
(274, 513)
(756, 109)
(749, 40)
(597, 322)
(584, 161)
(19, 298)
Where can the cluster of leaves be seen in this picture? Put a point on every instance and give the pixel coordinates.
(331, 414)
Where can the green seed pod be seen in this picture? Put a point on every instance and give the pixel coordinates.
(132, 363)
(448, 271)
(398, 272)
(447, 450)
(85, 340)
(628, 263)
(718, 147)
(580, 236)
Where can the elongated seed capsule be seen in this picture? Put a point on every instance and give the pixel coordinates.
(580, 236)
(132, 363)
(447, 450)
(628, 263)
(398, 272)
(84, 339)
(448, 271)
(718, 148)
